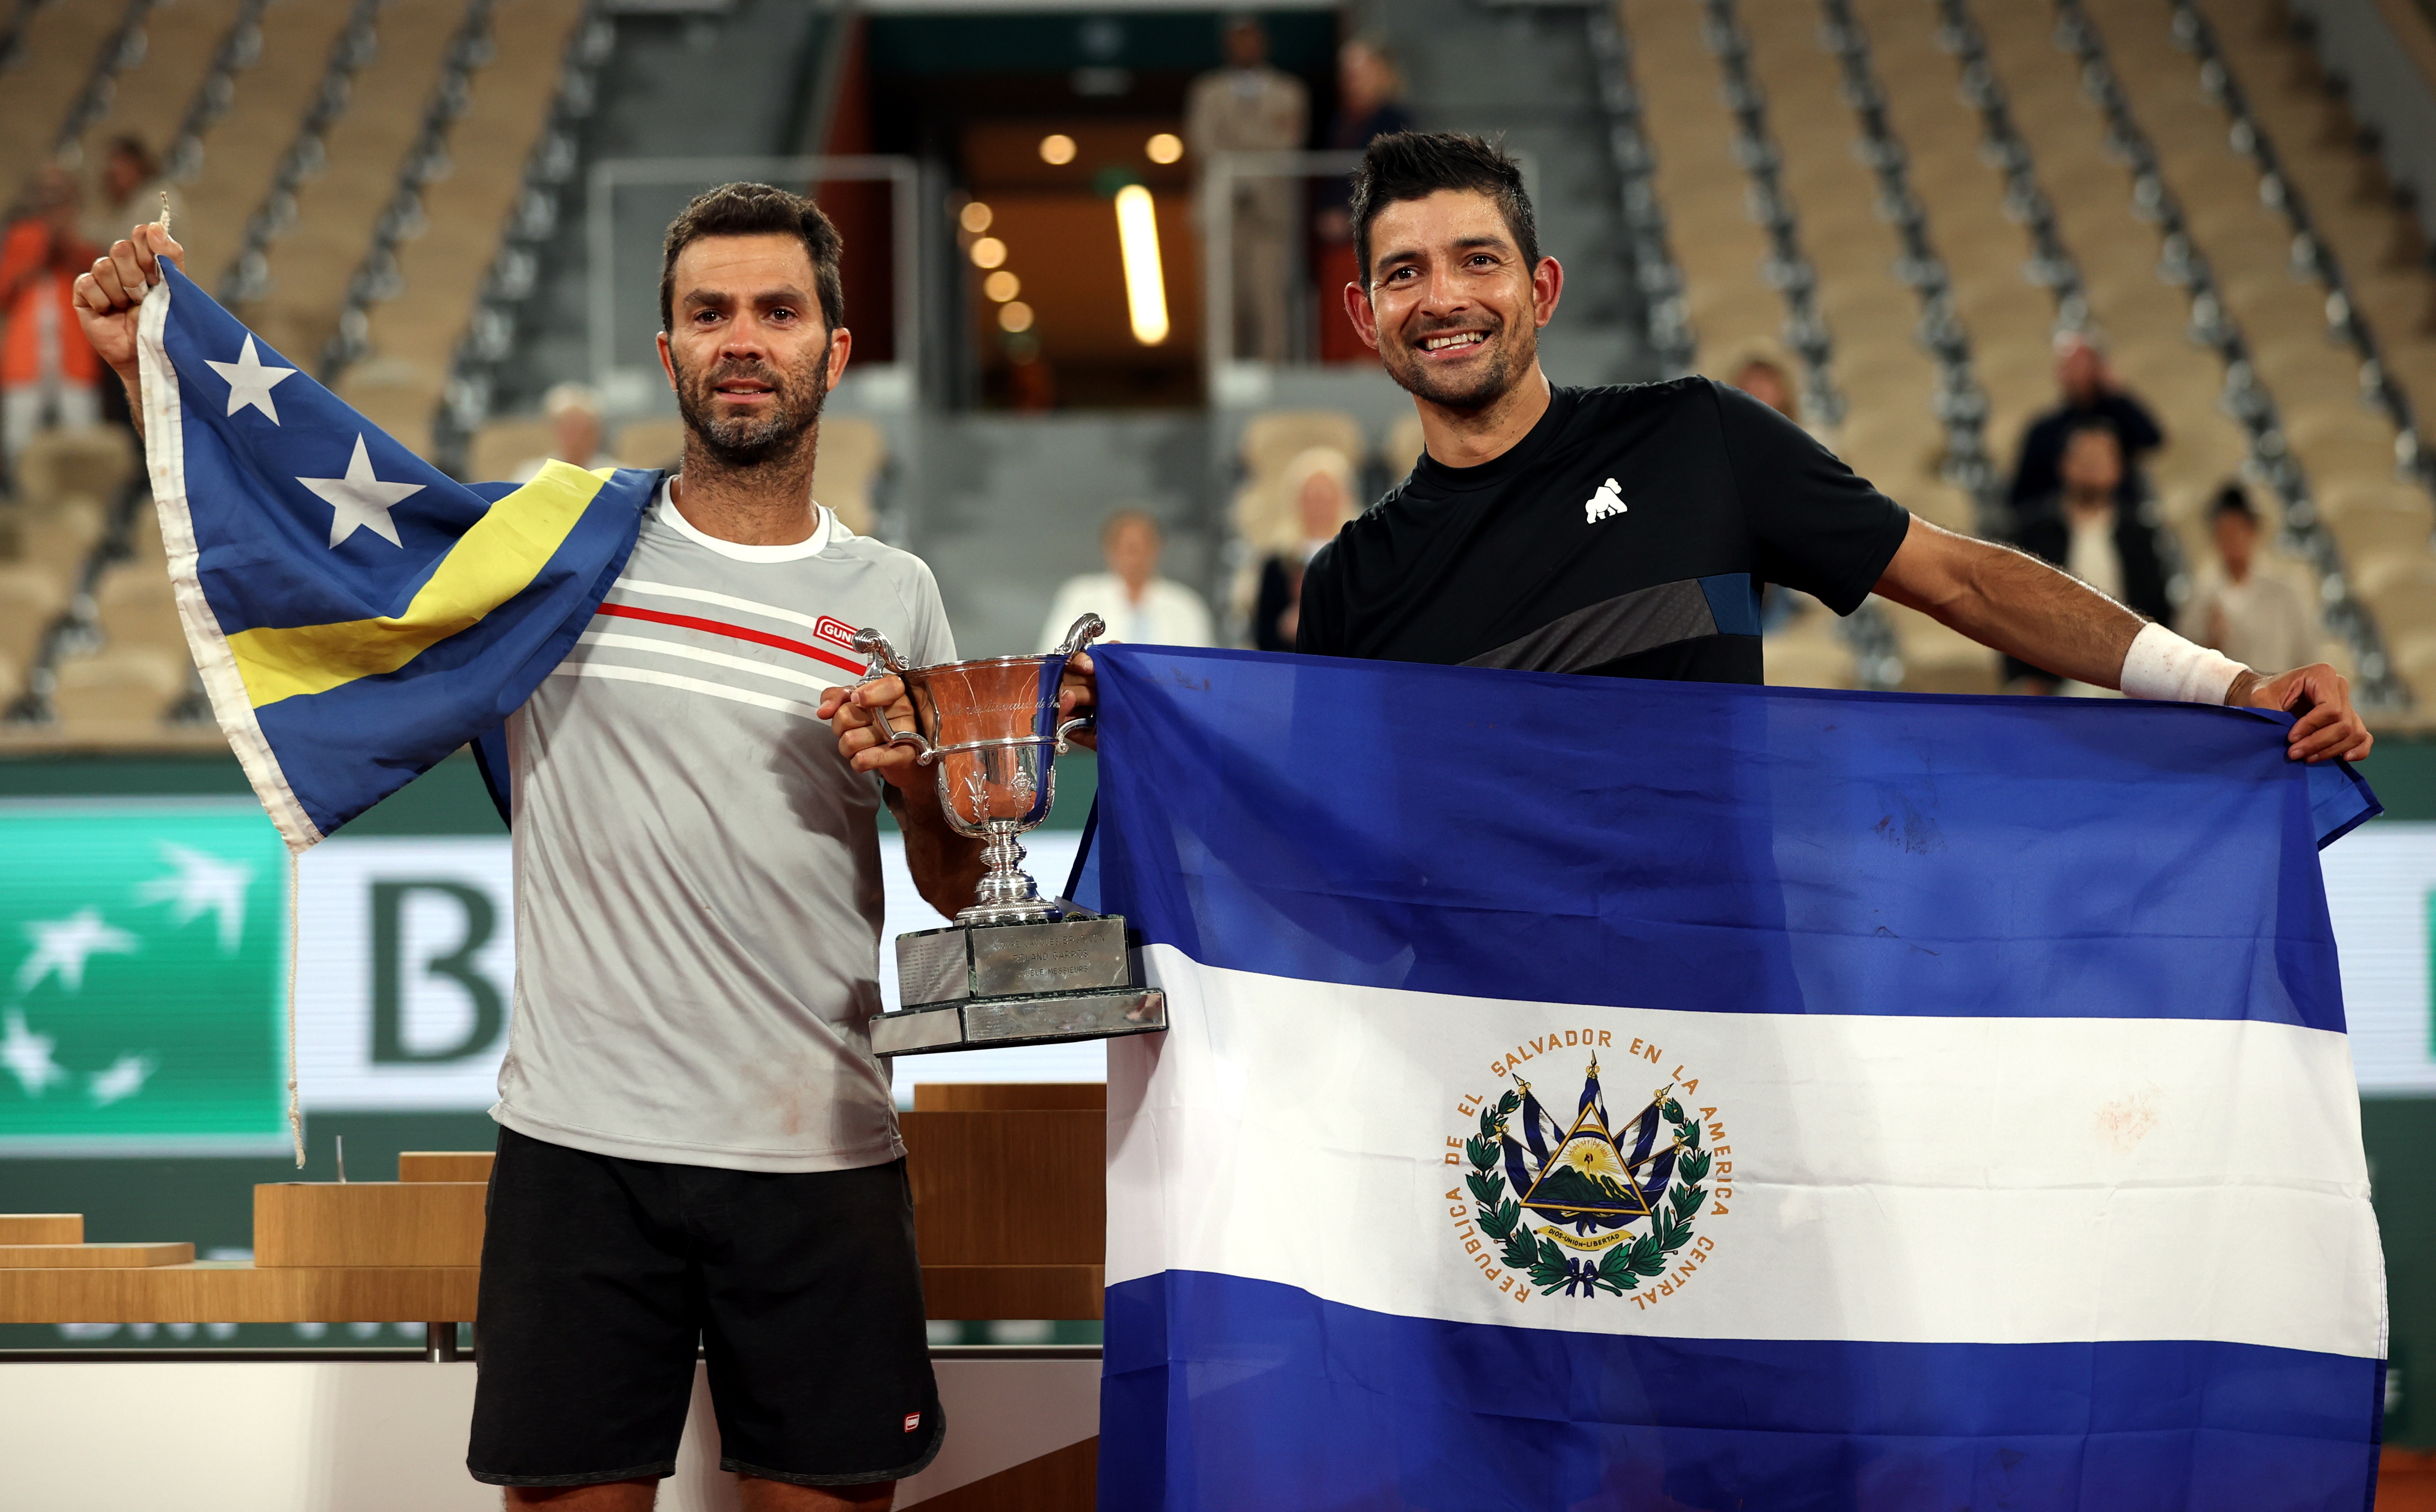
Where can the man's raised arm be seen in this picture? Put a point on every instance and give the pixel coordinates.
(107, 298)
(2024, 608)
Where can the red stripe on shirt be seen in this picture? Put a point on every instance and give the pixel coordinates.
(714, 627)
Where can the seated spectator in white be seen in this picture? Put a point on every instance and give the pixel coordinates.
(574, 412)
(2243, 607)
(1321, 484)
(2083, 528)
(1136, 603)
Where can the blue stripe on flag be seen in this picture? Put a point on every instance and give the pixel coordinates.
(1224, 1392)
(1708, 847)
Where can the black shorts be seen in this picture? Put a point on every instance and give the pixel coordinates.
(600, 1276)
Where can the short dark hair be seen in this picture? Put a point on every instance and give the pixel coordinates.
(2088, 425)
(2232, 499)
(756, 210)
(1417, 164)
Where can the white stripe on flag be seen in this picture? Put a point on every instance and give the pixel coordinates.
(690, 684)
(716, 658)
(1893, 1178)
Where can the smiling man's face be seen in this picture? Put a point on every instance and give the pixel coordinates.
(747, 351)
(1454, 309)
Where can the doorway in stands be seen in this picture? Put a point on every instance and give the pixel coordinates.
(1077, 280)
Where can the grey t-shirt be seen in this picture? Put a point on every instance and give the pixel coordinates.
(697, 871)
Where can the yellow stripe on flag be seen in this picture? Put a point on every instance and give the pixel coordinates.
(490, 563)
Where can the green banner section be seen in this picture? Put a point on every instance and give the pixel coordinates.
(145, 947)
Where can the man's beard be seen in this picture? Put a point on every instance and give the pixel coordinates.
(748, 441)
(1478, 390)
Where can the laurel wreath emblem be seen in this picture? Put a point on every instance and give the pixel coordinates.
(1620, 1269)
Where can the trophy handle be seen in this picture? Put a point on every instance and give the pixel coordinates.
(1081, 721)
(873, 643)
(1081, 634)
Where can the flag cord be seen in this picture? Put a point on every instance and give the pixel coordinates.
(295, 1113)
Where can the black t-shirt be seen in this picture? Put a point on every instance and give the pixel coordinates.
(1626, 536)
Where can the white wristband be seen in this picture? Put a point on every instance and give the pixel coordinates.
(2163, 665)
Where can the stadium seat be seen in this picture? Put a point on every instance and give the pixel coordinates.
(151, 99)
(61, 44)
(313, 260)
(117, 694)
(31, 596)
(852, 453)
(1807, 653)
(1274, 437)
(1402, 449)
(502, 445)
(658, 442)
(240, 152)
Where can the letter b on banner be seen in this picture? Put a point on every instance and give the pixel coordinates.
(457, 965)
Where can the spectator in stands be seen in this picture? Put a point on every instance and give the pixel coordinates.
(574, 412)
(1321, 484)
(1136, 603)
(1762, 373)
(1249, 107)
(48, 372)
(2256, 616)
(1366, 90)
(129, 191)
(2085, 528)
(2091, 391)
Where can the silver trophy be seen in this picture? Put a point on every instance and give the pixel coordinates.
(1015, 968)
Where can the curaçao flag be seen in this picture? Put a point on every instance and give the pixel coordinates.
(355, 613)
(1629, 1095)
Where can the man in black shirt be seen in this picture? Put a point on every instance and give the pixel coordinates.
(2091, 392)
(1625, 531)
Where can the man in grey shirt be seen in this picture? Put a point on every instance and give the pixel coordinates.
(697, 1142)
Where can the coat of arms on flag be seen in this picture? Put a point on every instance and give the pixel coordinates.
(1616, 1204)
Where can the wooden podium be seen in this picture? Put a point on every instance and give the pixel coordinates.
(1009, 1209)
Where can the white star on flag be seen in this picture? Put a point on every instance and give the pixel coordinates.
(203, 882)
(29, 1056)
(359, 500)
(62, 945)
(250, 381)
(125, 1078)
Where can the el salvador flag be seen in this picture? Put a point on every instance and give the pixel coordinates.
(355, 613)
(1591, 1094)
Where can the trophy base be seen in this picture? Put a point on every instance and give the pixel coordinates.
(988, 1023)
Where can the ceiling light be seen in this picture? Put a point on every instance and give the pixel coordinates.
(988, 253)
(974, 217)
(1165, 148)
(1002, 285)
(1145, 289)
(1015, 318)
(1058, 150)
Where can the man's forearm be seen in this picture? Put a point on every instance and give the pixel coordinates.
(133, 384)
(2016, 603)
(947, 866)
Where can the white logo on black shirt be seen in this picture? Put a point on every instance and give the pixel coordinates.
(1607, 500)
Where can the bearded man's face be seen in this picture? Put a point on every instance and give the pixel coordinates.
(748, 350)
